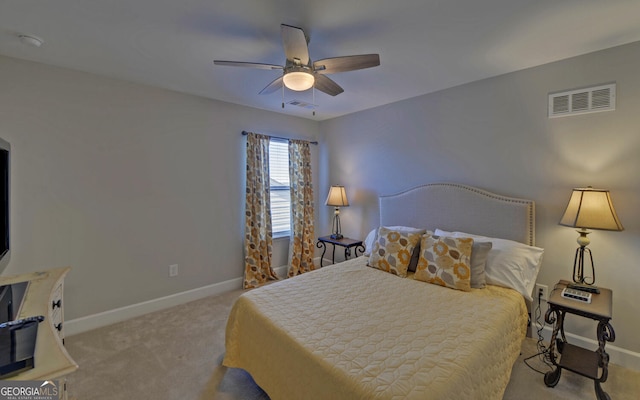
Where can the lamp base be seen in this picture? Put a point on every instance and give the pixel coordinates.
(336, 225)
(578, 267)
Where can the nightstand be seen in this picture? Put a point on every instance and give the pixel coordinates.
(590, 364)
(345, 242)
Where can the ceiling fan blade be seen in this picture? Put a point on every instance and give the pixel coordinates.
(272, 87)
(295, 44)
(328, 86)
(346, 63)
(247, 64)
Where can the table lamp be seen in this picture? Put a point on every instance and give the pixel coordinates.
(589, 208)
(337, 198)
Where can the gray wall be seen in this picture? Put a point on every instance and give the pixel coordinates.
(120, 180)
(495, 134)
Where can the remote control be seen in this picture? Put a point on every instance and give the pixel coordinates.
(23, 321)
(573, 294)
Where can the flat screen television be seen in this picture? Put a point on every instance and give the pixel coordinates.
(5, 185)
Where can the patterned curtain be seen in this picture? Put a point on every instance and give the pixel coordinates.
(301, 248)
(257, 230)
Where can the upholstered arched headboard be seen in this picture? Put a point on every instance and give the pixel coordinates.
(456, 207)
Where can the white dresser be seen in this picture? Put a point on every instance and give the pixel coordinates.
(44, 296)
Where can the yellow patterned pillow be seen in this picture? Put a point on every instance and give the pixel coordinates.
(392, 251)
(445, 261)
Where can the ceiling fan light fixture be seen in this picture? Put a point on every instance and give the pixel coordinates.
(298, 80)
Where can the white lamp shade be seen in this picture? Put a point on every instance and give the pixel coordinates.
(591, 208)
(337, 197)
(298, 80)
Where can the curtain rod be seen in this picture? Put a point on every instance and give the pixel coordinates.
(245, 133)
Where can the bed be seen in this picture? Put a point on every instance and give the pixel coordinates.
(350, 331)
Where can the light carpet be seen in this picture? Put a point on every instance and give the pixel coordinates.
(177, 353)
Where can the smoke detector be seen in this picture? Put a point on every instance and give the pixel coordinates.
(30, 40)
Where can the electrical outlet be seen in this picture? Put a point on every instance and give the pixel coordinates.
(173, 270)
(542, 289)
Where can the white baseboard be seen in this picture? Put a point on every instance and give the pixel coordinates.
(90, 322)
(281, 271)
(617, 355)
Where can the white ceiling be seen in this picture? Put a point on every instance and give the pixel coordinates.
(424, 45)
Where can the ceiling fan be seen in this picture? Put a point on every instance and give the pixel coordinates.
(299, 72)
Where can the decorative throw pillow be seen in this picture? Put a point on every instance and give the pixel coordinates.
(392, 251)
(509, 264)
(370, 240)
(445, 261)
(479, 255)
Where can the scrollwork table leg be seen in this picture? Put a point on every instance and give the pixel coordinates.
(323, 246)
(605, 334)
(556, 318)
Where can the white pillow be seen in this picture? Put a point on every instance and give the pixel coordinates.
(370, 240)
(510, 264)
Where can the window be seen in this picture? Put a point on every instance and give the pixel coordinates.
(280, 197)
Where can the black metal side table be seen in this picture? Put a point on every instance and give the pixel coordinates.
(345, 242)
(590, 364)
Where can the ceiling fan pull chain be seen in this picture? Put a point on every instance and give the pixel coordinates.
(313, 99)
(282, 96)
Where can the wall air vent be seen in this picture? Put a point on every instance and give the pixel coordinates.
(582, 101)
(303, 104)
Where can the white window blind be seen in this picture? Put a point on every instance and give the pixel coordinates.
(280, 198)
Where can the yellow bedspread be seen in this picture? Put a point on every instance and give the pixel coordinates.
(351, 332)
